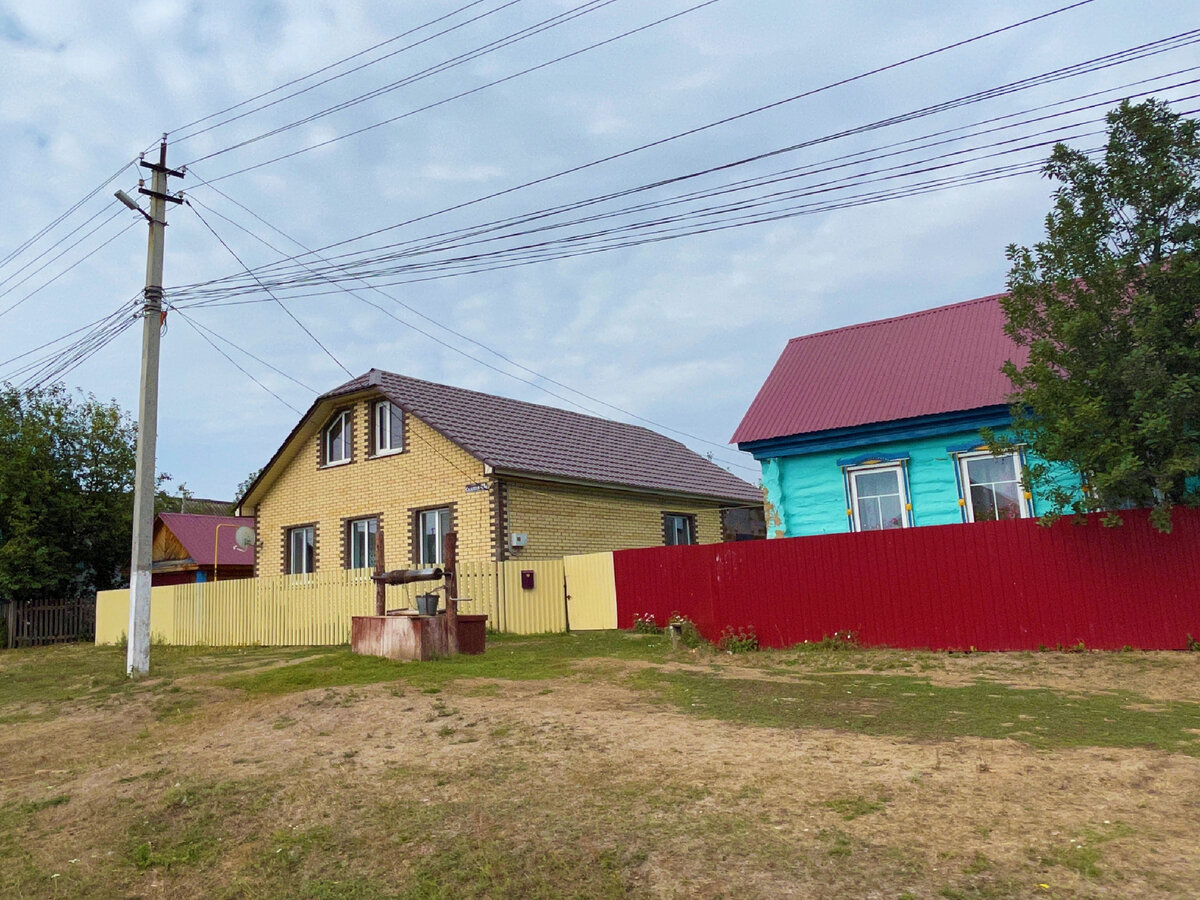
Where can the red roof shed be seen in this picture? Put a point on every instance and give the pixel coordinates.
(186, 547)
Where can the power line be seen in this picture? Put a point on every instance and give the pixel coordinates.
(234, 362)
(478, 343)
(56, 363)
(77, 262)
(46, 252)
(692, 131)
(195, 326)
(124, 308)
(460, 95)
(13, 254)
(1098, 63)
(360, 270)
(290, 314)
(333, 65)
(888, 173)
(541, 252)
(195, 323)
(453, 62)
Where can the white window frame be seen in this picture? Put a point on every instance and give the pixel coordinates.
(964, 480)
(293, 556)
(359, 530)
(905, 506)
(345, 419)
(440, 532)
(383, 436)
(690, 537)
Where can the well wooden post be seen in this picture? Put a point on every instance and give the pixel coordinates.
(450, 566)
(380, 586)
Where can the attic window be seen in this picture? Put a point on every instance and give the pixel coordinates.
(336, 438)
(389, 428)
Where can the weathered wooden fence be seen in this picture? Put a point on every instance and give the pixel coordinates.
(48, 622)
(1011, 585)
(315, 609)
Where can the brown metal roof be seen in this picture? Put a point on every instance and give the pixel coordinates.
(935, 361)
(543, 441)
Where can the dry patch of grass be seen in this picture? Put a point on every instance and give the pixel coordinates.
(596, 766)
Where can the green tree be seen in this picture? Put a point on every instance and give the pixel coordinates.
(244, 485)
(66, 493)
(1107, 305)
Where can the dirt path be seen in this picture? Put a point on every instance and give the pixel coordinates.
(697, 807)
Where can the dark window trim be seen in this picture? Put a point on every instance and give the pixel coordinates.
(691, 520)
(344, 525)
(414, 526)
(286, 555)
(372, 452)
(322, 441)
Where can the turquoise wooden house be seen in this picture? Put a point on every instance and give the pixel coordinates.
(877, 425)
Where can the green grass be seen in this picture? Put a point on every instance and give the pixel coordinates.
(376, 822)
(508, 658)
(907, 706)
(39, 683)
(816, 691)
(190, 822)
(852, 807)
(1084, 853)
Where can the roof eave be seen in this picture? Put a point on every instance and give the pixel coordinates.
(330, 399)
(716, 499)
(326, 404)
(994, 416)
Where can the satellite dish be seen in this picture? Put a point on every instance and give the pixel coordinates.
(244, 537)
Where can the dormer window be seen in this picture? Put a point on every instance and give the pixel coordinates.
(389, 428)
(337, 442)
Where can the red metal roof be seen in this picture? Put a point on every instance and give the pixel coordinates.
(198, 535)
(935, 361)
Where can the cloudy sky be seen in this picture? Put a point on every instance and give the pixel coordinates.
(427, 120)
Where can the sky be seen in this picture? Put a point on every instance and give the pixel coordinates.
(467, 114)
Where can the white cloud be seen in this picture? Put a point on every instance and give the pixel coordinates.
(681, 331)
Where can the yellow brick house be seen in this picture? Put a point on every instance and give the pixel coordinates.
(516, 480)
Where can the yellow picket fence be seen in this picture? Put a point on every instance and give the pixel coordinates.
(315, 609)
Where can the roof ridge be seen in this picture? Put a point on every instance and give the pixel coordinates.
(539, 440)
(555, 409)
(192, 515)
(912, 315)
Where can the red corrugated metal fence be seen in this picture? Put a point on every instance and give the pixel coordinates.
(1011, 585)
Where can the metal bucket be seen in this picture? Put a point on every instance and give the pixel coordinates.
(427, 604)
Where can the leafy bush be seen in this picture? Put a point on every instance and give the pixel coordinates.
(738, 640)
(840, 640)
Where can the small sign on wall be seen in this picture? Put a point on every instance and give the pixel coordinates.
(477, 487)
(527, 579)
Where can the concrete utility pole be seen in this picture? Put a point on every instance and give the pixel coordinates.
(138, 658)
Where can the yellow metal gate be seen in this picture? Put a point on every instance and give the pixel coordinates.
(591, 592)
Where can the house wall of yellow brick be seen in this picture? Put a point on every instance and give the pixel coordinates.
(430, 472)
(562, 520)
